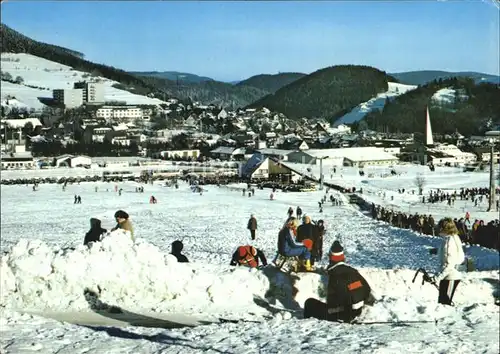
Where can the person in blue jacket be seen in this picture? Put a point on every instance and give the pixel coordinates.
(289, 247)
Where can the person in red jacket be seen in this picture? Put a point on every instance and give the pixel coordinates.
(347, 293)
(248, 256)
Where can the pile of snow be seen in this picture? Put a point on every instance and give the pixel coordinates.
(139, 276)
(377, 102)
(47, 75)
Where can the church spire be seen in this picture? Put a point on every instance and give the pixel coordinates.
(428, 129)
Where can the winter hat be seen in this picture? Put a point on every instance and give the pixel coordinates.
(337, 252)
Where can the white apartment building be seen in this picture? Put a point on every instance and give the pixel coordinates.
(93, 92)
(71, 98)
(119, 113)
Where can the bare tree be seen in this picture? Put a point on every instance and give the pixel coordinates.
(420, 182)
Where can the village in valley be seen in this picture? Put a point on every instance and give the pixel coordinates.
(249, 177)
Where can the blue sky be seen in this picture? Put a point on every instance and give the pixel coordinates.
(235, 40)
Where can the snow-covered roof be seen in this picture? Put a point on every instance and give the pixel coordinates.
(20, 123)
(369, 153)
(268, 151)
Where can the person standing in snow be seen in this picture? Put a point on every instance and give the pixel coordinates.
(347, 293)
(177, 247)
(248, 256)
(299, 212)
(123, 222)
(451, 256)
(305, 231)
(252, 226)
(95, 233)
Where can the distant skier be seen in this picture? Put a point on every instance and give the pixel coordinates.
(290, 212)
(153, 200)
(95, 233)
(177, 247)
(76, 199)
(347, 293)
(79, 200)
(248, 256)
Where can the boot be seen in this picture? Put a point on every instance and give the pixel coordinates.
(307, 265)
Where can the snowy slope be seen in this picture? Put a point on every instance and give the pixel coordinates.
(50, 75)
(144, 280)
(447, 95)
(377, 102)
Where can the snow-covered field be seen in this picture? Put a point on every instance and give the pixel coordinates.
(378, 182)
(50, 75)
(378, 102)
(42, 286)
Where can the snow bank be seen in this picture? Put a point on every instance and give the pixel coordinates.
(139, 276)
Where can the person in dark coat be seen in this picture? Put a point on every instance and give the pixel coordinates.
(177, 247)
(305, 231)
(347, 293)
(95, 233)
(299, 212)
(252, 226)
(318, 233)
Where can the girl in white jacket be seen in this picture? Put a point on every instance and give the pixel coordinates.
(452, 257)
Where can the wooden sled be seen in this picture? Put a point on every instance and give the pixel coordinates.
(290, 264)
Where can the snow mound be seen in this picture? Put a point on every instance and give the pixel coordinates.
(139, 277)
(377, 102)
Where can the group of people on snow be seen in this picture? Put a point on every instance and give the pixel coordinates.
(96, 232)
(348, 291)
(470, 231)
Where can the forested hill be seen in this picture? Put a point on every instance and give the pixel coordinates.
(423, 77)
(271, 83)
(328, 93)
(470, 112)
(174, 76)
